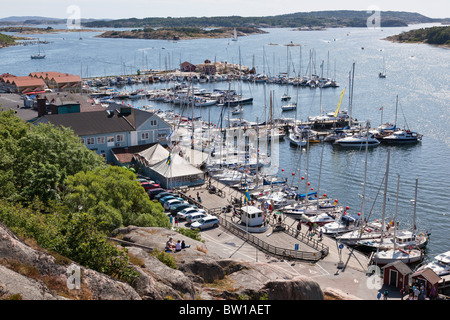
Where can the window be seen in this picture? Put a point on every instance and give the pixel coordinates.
(144, 136)
(119, 138)
(153, 123)
(100, 140)
(90, 141)
(82, 141)
(110, 139)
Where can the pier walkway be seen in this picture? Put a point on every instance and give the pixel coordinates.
(280, 240)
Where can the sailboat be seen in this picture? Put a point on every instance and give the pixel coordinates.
(39, 55)
(402, 239)
(382, 74)
(370, 230)
(390, 134)
(407, 256)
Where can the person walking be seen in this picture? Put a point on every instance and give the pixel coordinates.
(299, 228)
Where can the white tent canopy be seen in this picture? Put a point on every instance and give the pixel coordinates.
(178, 167)
(154, 154)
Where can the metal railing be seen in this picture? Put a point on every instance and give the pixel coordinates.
(270, 249)
(284, 253)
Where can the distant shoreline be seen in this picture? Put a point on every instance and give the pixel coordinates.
(436, 36)
(35, 30)
(177, 33)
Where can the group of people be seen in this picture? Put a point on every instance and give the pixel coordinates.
(171, 246)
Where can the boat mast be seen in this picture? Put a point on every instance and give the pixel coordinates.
(385, 193)
(351, 95)
(395, 219)
(363, 203)
(415, 204)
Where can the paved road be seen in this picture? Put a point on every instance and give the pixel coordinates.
(350, 280)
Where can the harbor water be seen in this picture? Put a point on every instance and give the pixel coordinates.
(419, 74)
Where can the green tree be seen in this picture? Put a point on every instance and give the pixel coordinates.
(74, 236)
(114, 197)
(37, 159)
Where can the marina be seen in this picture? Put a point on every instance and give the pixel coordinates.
(291, 141)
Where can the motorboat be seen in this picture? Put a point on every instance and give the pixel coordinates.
(321, 219)
(402, 136)
(345, 223)
(297, 139)
(358, 140)
(440, 264)
(335, 135)
(289, 107)
(237, 110)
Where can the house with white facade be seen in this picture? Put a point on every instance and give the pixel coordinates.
(117, 126)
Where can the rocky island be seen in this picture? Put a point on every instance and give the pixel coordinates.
(435, 35)
(37, 30)
(181, 33)
(6, 41)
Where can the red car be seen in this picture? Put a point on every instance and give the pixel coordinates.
(148, 186)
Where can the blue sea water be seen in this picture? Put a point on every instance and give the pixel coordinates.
(418, 73)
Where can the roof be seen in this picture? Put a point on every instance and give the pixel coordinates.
(66, 79)
(125, 155)
(400, 266)
(91, 123)
(136, 117)
(48, 74)
(178, 167)
(428, 274)
(154, 154)
(59, 99)
(27, 82)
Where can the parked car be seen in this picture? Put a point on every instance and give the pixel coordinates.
(154, 192)
(205, 223)
(178, 207)
(148, 186)
(163, 200)
(141, 180)
(195, 216)
(172, 202)
(187, 211)
(161, 195)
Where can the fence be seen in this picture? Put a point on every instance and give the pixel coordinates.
(284, 253)
(273, 250)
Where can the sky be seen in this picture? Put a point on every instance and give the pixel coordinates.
(117, 9)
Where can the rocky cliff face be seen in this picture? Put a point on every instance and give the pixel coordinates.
(33, 274)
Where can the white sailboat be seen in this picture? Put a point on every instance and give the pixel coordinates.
(407, 256)
(382, 74)
(371, 230)
(39, 55)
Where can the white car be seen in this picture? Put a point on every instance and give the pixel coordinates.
(205, 223)
(185, 212)
(172, 201)
(195, 216)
